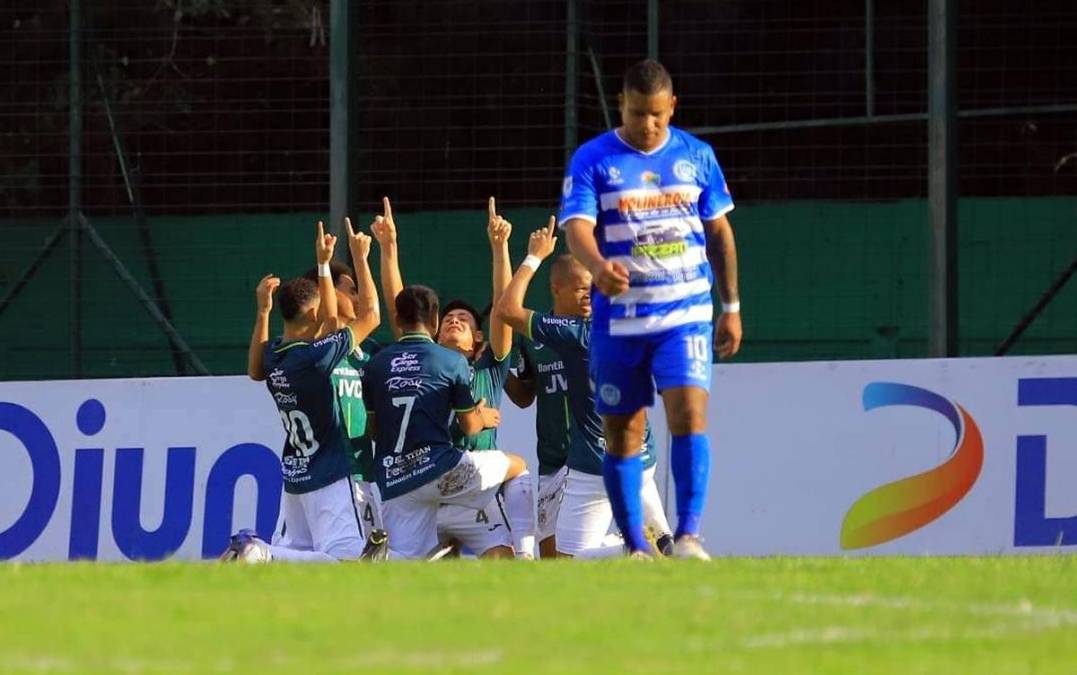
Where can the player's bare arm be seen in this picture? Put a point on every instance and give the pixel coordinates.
(722, 253)
(384, 229)
(473, 421)
(260, 336)
(324, 245)
(520, 390)
(611, 278)
(511, 308)
(367, 312)
(498, 231)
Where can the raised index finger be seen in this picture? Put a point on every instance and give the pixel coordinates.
(386, 208)
(321, 231)
(492, 208)
(348, 225)
(552, 225)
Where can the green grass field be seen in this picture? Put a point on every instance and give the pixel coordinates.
(903, 615)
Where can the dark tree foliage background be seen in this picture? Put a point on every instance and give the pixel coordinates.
(222, 105)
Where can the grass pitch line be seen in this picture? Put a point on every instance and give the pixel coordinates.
(1021, 609)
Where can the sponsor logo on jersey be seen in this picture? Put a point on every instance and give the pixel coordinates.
(550, 367)
(286, 399)
(685, 170)
(332, 337)
(398, 383)
(566, 186)
(613, 176)
(407, 362)
(278, 379)
(654, 202)
(557, 321)
(660, 250)
(651, 178)
(610, 394)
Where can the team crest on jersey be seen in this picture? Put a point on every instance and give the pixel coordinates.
(610, 394)
(613, 176)
(685, 170)
(651, 178)
(566, 186)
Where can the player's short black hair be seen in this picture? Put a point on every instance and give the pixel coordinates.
(417, 305)
(648, 77)
(337, 269)
(294, 295)
(562, 265)
(460, 304)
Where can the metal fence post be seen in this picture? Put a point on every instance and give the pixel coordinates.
(942, 180)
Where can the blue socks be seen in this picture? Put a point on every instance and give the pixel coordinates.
(690, 460)
(623, 477)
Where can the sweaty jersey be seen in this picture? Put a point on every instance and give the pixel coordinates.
(488, 377)
(413, 386)
(546, 370)
(298, 375)
(648, 210)
(570, 337)
(348, 384)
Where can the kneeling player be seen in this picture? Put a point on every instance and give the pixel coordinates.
(411, 389)
(321, 519)
(585, 513)
(485, 531)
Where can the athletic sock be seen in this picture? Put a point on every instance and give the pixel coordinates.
(690, 459)
(519, 500)
(623, 477)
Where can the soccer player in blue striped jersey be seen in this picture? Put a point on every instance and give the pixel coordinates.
(644, 209)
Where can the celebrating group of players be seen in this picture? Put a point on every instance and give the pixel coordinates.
(393, 455)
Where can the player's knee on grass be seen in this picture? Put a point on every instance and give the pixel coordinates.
(624, 433)
(498, 553)
(548, 548)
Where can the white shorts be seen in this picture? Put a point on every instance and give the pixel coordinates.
(550, 492)
(585, 517)
(368, 500)
(477, 531)
(325, 520)
(412, 518)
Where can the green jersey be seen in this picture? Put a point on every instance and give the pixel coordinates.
(546, 369)
(488, 376)
(347, 380)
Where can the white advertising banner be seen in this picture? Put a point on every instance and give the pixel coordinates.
(950, 457)
(135, 469)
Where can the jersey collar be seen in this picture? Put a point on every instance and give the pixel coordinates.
(422, 337)
(660, 148)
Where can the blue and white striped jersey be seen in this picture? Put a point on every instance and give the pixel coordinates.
(649, 210)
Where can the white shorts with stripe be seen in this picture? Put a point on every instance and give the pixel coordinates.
(326, 520)
(412, 518)
(585, 516)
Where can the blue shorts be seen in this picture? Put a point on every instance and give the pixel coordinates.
(625, 370)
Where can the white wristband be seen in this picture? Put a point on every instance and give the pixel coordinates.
(323, 270)
(731, 307)
(532, 261)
